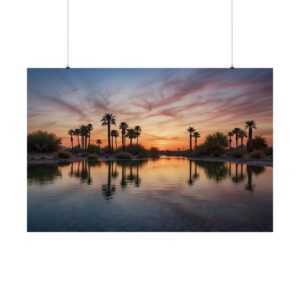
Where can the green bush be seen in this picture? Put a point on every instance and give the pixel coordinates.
(154, 152)
(123, 155)
(259, 143)
(93, 149)
(43, 141)
(269, 151)
(256, 155)
(201, 150)
(93, 156)
(63, 154)
(237, 154)
(214, 145)
(135, 149)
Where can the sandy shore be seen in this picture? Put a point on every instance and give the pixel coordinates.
(50, 159)
(46, 160)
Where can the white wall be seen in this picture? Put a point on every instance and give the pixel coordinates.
(141, 33)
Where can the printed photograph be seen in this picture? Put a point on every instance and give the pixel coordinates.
(150, 150)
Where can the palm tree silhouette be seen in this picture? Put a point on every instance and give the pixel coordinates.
(70, 133)
(230, 134)
(191, 130)
(236, 132)
(250, 125)
(137, 130)
(89, 128)
(114, 134)
(84, 134)
(77, 133)
(131, 134)
(123, 126)
(99, 142)
(242, 135)
(107, 120)
(196, 135)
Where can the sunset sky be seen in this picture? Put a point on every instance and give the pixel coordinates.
(164, 102)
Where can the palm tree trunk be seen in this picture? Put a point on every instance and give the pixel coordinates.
(191, 142)
(108, 136)
(123, 142)
(116, 143)
(137, 140)
(78, 141)
(130, 141)
(236, 140)
(249, 143)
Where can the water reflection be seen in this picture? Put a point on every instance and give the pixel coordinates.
(219, 171)
(108, 189)
(82, 170)
(161, 195)
(213, 170)
(43, 173)
(130, 173)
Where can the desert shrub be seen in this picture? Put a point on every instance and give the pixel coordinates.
(135, 149)
(142, 155)
(236, 154)
(259, 143)
(214, 144)
(256, 155)
(93, 149)
(123, 155)
(154, 152)
(63, 154)
(43, 141)
(93, 156)
(268, 151)
(201, 150)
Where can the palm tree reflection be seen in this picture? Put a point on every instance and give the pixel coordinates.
(83, 170)
(250, 170)
(108, 189)
(213, 170)
(190, 181)
(133, 176)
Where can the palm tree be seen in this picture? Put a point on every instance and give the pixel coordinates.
(70, 133)
(250, 125)
(196, 135)
(107, 120)
(89, 128)
(138, 130)
(236, 132)
(123, 126)
(99, 142)
(242, 135)
(191, 130)
(114, 134)
(230, 134)
(84, 134)
(131, 134)
(77, 133)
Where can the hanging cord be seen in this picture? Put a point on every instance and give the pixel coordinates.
(68, 35)
(232, 67)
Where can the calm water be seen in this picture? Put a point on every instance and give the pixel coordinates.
(169, 194)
